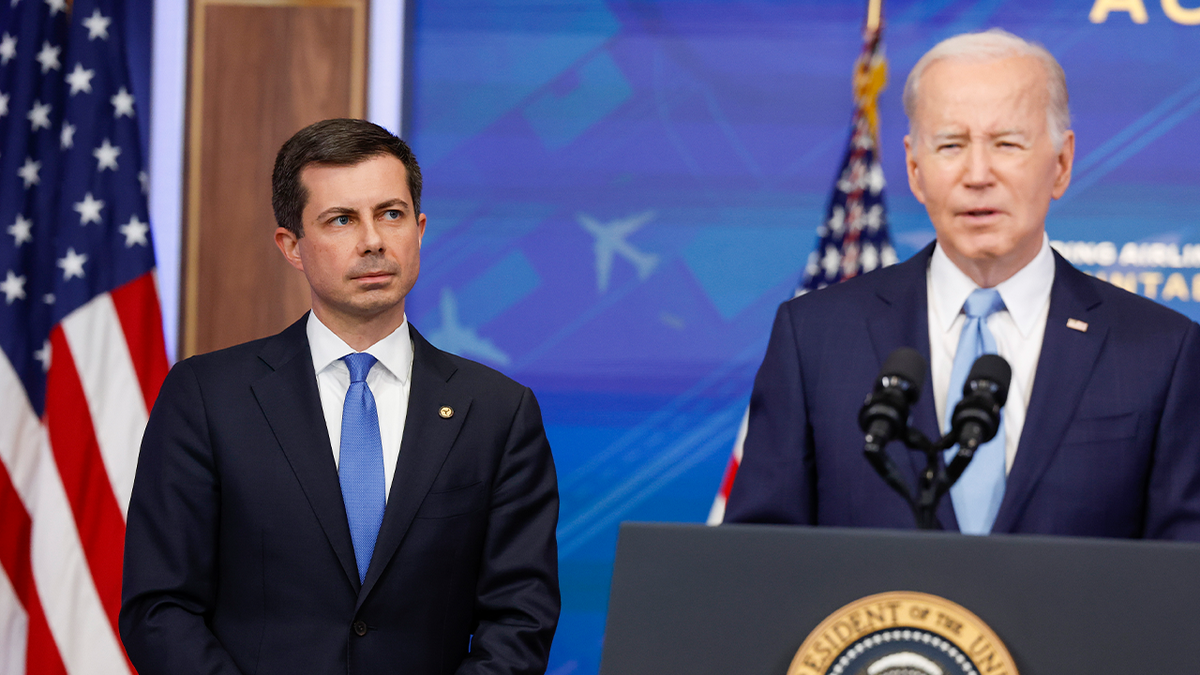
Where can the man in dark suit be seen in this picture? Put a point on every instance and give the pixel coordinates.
(1100, 435)
(343, 496)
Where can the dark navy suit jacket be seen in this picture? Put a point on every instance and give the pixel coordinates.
(1110, 446)
(238, 557)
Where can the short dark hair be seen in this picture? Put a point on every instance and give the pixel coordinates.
(335, 142)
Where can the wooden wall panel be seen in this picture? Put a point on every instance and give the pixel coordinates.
(260, 71)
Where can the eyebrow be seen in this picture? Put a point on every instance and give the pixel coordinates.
(958, 135)
(346, 210)
(390, 203)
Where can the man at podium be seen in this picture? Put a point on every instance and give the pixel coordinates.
(1100, 434)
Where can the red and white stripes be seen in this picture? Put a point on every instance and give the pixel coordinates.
(65, 482)
(717, 514)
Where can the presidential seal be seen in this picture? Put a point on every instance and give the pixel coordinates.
(902, 633)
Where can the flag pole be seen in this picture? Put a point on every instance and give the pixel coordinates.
(874, 15)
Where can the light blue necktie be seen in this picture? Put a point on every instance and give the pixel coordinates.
(360, 465)
(978, 493)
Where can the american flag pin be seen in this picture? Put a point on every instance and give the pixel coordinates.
(1078, 325)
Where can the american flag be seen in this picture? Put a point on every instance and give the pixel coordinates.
(854, 238)
(80, 329)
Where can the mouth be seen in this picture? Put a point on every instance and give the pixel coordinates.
(372, 277)
(982, 213)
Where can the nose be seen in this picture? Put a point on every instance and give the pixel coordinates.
(370, 239)
(977, 171)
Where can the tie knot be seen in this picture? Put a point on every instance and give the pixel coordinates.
(359, 365)
(982, 303)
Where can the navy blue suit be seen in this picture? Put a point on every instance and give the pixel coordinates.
(1110, 446)
(238, 556)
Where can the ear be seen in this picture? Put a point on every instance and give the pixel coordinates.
(289, 245)
(420, 229)
(1066, 159)
(910, 165)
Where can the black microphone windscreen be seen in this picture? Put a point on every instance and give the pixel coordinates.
(994, 368)
(907, 363)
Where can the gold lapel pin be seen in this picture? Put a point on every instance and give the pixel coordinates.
(1078, 325)
(446, 412)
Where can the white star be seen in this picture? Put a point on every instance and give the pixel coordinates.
(13, 288)
(144, 179)
(21, 230)
(43, 355)
(814, 264)
(889, 256)
(66, 138)
(72, 264)
(3, 104)
(832, 262)
(106, 156)
(837, 219)
(48, 298)
(29, 172)
(48, 57)
(97, 25)
(122, 103)
(56, 6)
(39, 116)
(8, 49)
(135, 232)
(874, 218)
(869, 258)
(875, 181)
(80, 79)
(89, 209)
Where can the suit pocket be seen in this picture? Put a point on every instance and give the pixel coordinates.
(1104, 428)
(450, 503)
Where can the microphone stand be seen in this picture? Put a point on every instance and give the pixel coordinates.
(933, 482)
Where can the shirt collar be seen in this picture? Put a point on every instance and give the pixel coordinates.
(1025, 293)
(394, 352)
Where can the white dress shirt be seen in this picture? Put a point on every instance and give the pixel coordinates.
(389, 381)
(1018, 330)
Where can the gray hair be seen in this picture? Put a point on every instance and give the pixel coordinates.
(990, 45)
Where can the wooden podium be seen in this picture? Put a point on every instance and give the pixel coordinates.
(740, 599)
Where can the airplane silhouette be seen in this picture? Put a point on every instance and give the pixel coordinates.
(610, 239)
(458, 339)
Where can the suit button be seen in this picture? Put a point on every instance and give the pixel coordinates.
(360, 628)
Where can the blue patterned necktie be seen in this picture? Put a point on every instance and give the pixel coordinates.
(360, 464)
(978, 493)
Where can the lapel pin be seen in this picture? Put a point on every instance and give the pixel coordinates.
(1078, 325)
(447, 412)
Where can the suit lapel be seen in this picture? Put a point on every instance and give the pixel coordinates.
(292, 405)
(1063, 371)
(427, 440)
(905, 323)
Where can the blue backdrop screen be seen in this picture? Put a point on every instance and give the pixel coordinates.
(620, 194)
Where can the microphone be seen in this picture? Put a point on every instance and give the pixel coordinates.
(976, 418)
(884, 415)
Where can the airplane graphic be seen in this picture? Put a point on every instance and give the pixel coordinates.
(610, 239)
(458, 339)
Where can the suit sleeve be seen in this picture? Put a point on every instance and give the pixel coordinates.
(517, 596)
(775, 482)
(169, 581)
(1173, 497)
